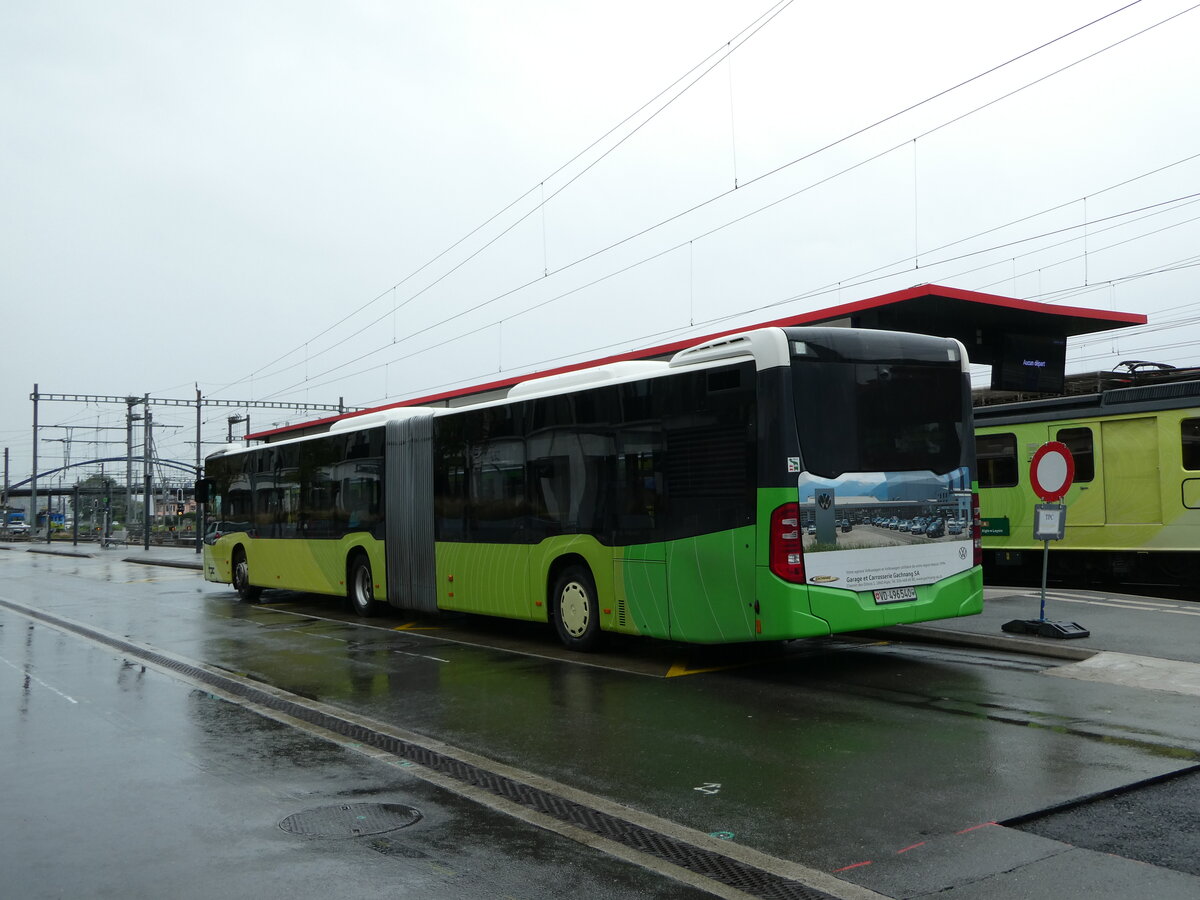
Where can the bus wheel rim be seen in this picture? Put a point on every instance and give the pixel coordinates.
(362, 585)
(573, 609)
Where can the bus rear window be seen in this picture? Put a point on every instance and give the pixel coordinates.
(879, 417)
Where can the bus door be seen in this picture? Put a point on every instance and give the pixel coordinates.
(640, 567)
(710, 580)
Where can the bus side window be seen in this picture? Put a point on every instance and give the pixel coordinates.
(284, 498)
(318, 460)
(449, 480)
(638, 484)
(262, 464)
(570, 449)
(497, 490)
(996, 458)
(549, 442)
(1079, 442)
(1189, 436)
(708, 459)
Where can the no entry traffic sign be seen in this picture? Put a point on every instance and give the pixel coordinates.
(1052, 471)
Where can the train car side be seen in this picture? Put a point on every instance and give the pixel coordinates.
(1134, 509)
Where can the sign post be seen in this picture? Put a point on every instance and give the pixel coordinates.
(826, 515)
(1050, 473)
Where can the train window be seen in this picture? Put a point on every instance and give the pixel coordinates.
(996, 457)
(1079, 442)
(1190, 436)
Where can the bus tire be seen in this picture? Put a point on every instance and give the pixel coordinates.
(360, 587)
(247, 592)
(576, 609)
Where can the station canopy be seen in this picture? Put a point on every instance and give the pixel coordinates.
(996, 331)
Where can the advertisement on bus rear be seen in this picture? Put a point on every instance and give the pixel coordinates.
(885, 532)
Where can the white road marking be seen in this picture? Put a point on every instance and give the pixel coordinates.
(25, 671)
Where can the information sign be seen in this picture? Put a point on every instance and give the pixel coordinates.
(1050, 523)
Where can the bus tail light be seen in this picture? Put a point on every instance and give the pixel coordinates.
(976, 530)
(787, 550)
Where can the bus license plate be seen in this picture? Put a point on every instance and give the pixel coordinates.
(896, 595)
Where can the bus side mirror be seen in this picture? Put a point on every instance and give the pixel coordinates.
(204, 490)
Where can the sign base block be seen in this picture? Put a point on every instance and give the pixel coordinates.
(1045, 628)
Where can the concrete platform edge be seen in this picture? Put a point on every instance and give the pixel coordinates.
(935, 635)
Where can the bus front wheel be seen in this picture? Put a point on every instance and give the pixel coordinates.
(576, 609)
(361, 587)
(241, 578)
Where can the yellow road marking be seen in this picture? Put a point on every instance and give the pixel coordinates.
(680, 669)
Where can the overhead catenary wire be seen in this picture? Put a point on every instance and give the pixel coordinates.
(1094, 250)
(723, 52)
(860, 282)
(593, 254)
(718, 320)
(710, 232)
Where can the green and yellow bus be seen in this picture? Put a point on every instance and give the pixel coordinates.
(749, 488)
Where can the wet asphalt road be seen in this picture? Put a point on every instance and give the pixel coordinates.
(890, 759)
(121, 782)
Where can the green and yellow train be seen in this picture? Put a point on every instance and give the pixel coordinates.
(1133, 511)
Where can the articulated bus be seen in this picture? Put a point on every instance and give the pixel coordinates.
(750, 488)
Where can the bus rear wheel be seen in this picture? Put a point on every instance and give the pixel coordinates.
(360, 588)
(241, 578)
(576, 610)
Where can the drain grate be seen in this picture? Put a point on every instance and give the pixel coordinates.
(350, 820)
(708, 863)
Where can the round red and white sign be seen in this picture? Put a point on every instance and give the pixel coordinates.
(1052, 471)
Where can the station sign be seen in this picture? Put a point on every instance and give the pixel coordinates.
(994, 526)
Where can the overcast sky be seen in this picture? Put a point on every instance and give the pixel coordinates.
(266, 199)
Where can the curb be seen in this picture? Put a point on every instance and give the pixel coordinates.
(930, 635)
(47, 552)
(169, 563)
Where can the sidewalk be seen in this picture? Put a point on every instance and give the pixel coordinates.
(1119, 623)
(175, 557)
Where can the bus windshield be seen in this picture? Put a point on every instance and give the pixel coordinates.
(879, 416)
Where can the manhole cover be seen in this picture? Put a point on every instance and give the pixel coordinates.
(351, 820)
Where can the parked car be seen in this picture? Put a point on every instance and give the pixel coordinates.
(936, 529)
(17, 528)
